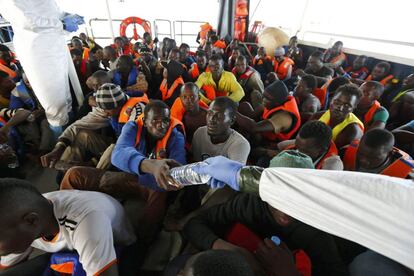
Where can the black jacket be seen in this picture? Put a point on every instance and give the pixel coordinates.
(203, 230)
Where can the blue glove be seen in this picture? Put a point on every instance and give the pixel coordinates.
(216, 184)
(222, 170)
(71, 22)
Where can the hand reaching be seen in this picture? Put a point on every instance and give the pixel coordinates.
(222, 170)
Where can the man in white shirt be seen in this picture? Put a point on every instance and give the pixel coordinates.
(89, 223)
(217, 137)
(214, 139)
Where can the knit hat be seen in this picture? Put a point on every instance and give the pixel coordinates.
(278, 90)
(279, 51)
(292, 159)
(110, 96)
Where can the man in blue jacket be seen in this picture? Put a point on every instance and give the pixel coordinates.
(153, 136)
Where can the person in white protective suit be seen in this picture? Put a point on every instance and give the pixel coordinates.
(39, 41)
(375, 211)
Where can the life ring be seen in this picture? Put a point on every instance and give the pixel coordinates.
(134, 20)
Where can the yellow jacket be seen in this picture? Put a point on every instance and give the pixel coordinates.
(228, 86)
(349, 119)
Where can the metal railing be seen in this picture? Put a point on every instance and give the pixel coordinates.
(331, 35)
(181, 34)
(105, 20)
(100, 20)
(157, 34)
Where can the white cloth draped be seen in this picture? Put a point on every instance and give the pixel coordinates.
(39, 42)
(373, 210)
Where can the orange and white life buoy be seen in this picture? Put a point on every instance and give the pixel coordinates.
(134, 20)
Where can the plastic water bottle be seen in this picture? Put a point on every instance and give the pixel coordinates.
(14, 163)
(185, 175)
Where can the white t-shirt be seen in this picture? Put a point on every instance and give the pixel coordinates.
(90, 223)
(236, 147)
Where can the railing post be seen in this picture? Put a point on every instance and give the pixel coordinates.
(110, 20)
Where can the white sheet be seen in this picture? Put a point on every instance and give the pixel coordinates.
(39, 41)
(373, 210)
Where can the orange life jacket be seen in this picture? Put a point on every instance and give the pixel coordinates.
(204, 29)
(371, 112)
(358, 73)
(129, 105)
(384, 81)
(401, 167)
(166, 94)
(161, 146)
(243, 78)
(331, 151)
(12, 74)
(220, 44)
(85, 54)
(260, 61)
(282, 68)
(177, 109)
(338, 57)
(322, 93)
(194, 71)
(211, 92)
(289, 106)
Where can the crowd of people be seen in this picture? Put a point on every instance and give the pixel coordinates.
(152, 106)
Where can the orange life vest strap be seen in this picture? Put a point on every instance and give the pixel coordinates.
(177, 109)
(321, 93)
(260, 61)
(384, 81)
(400, 167)
(126, 109)
(246, 75)
(9, 71)
(338, 57)
(211, 92)
(349, 158)
(371, 112)
(162, 143)
(281, 69)
(163, 88)
(194, 71)
(66, 268)
(289, 106)
(331, 151)
(220, 44)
